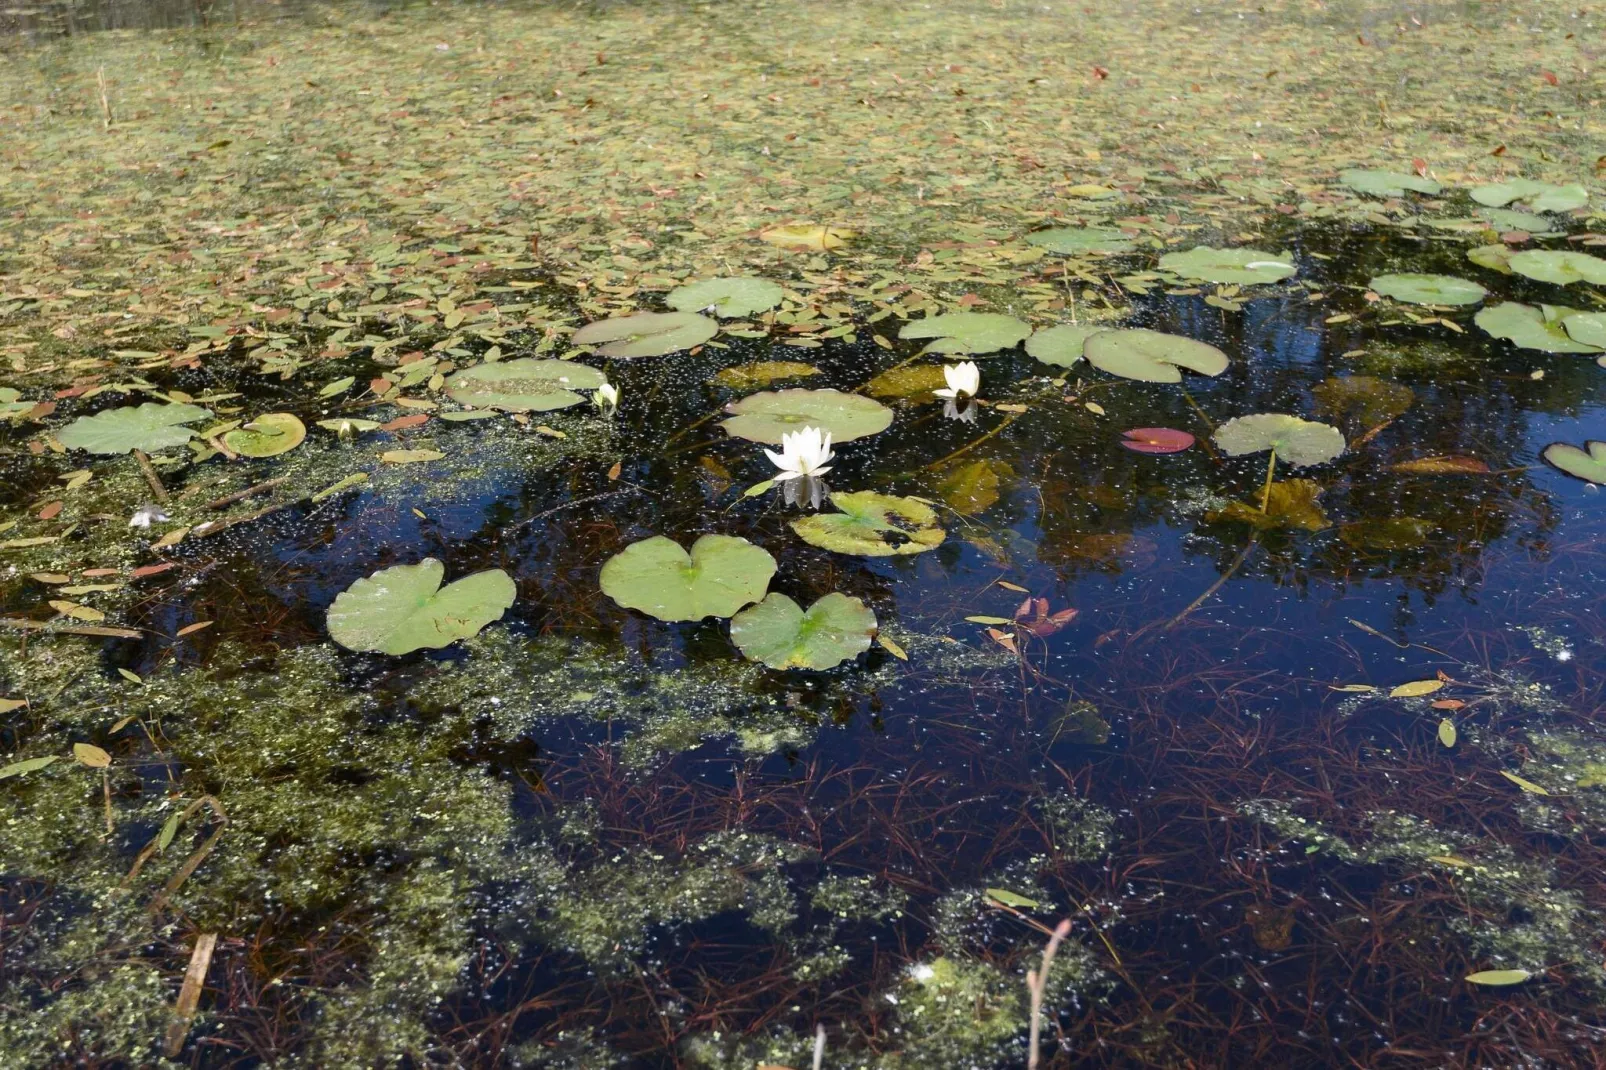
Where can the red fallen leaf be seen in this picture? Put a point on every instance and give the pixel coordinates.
(1550, 77)
(153, 570)
(97, 573)
(1420, 165)
(40, 411)
(51, 511)
(1100, 73)
(1515, 237)
(1442, 466)
(1156, 440)
(1034, 618)
(379, 386)
(401, 423)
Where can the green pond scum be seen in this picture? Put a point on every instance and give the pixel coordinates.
(1213, 594)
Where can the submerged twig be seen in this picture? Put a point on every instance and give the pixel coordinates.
(1237, 563)
(99, 631)
(972, 444)
(148, 470)
(189, 996)
(631, 489)
(241, 495)
(1037, 983)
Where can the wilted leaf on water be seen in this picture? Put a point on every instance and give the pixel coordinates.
(1079, 240)
(973, 488)
(909, 381)
(1272, 927)
(1420, 289)
(720, 575)
(1497, 978)
(1369, 400)
(807, 236)
(1493, 257)
(726, 298)
(1416, 689)
(1156, 440)
(1538, 196)
(1526, 785)
(1588, 464)
(1061, 345)
(1290, 504)
(1012, 899)
(410, 456)
(9, 704)
(762, 373)
(646, 334)
(780, 634)
(1151, 356)
(1082, 725)
(973, 333)
(1441, 466)
(27, 765)
(404, 608)
(524, 385)
(768, 416)
(1387, 183)
(872, 525)
(149, 427)
(1560, 266)
(346, 425)
(1527, 327)
(91, 755)
(1387, 533)
(268, 435)
(1241, 266)
(1298, 442)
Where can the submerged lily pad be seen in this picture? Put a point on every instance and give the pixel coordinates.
(1298, 442)
(1526, 327)
(1078, 240)
(405, 608)
(762, 373)
(1387, 533)
(268, 435)
(778, 633)
(1370, 400)
(909, 381)
(1291, 503)
(1560, 266)
(1151, 356)
(1588, 464)
(1539, 196)
(647, 334)
(1061, 345)
(975, 333)
(1387, 183)
(722, 574)
(524, 385)
(726, 298)
(1241, 266)
(150, 427)
(768, 416)
(1418, 289)
(973, 487)
(872, 525)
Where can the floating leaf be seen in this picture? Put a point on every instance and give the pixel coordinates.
(1497, 978)
(1526, 785)
(1298, 442)
(1560, 266)
(872, 525)
(1506, 219)
(1419, 289)
(1290, 503)
(726, 298)
(1442, 466)
(401, 609)
(1539, 196)
(1077, 241)
(149, 427)
(1416, 689)
(1387, 533)
(910, 381)
(1526, 327)
(807, 236)
(1387, 183)
(974, 333)
(768, 416)
(1588, 464)
(1061, 345)
(646, 334)
(9, 704)
(1156, 440)
(268, 435)
(524, 385)
(27, 765)
(722, 574)
(1447, 735)
(1150, 356)
(410, 456)
(762, 373)
(1493, 257)
(1370, 401)
(972, 488)
(1243, 267)
(339, 386)
(780, 634)
(348, 424)
(1010, 899)
(1586, 327)
(891, 646)
(91, 755)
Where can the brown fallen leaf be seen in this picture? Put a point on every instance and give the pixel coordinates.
(401, 423)
(1442, 466)
(51, 511)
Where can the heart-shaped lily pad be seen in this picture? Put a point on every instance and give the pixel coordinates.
(1156, 440)
(726, 298)
(1493, 257)
(778, 633)
(1387, 183)
(524, 385)
(975, 333)
(768, 416)
(1061, 345)
(1079, 240)
(149, 427)
(1418, 289)
(1539, 196)
(1586, 327)
(1290, 503)
(872, 525)
(1151, 356)
(1560, 266)
(1299, 442)
(405, 608)
(1241, 266)
(268, 435)
(647, 334)
(720, 575)
(1587, 464)
(1526, 327)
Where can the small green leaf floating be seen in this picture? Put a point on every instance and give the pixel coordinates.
(972, 333)
(1560, 266)
(1151, 356)
(726, 298)
(1543, 328)
(1079, 240)
(768, 416)
(268, 435)
(149, 427)
(524, 385)
(646, 334)
(1387, 183)
(27, 765)
(1011, 899)
(872, 525)
(910, 381)
(1062, 345)
(778, 633)
(1417, 289)
(720, 575)
(1243, 267)
(1298, 442)
(1493, 257)
(1539, 196)
(1586, 327)
(1447, 735)
(1588, 464)
(1498, 978)
(402, 609)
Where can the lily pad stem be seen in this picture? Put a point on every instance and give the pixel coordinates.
(1265, 492)
(973, 443)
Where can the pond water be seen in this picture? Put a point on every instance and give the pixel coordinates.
(587, 838)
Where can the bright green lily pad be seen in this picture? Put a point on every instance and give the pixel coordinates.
(1418, 289)
(1539, 196)
(1586, 327)
(150, 427)
(1151, 356)
(1560, 266)
(778, 633)
(647, 334)
(1075, 241)
(1298, 442)
(768, 416)
(1526, 327)
(1243, 267)
(405, 608)
(721, 575)
(1061, 345)
(872, 525)
(268, 435)
(1493, 257)
(524, 385)
(726, 298)
(1387, 183)
(762, 373)
(974, 333)
(1588, 464)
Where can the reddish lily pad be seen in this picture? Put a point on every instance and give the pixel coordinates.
(1156, 440)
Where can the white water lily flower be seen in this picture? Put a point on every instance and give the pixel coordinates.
(146, 515)
(963, 380)
(804, 454)
(607, 398)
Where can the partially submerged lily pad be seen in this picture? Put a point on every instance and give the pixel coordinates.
(268, 435)
(973, 487)
(1151, 356)
(780, 634)
(726, 298)
(1560, 266)
(1493, 257)
(974, 333)
(1241, 266)
(1538, 196)
(909, 381)
(768, 416)
(1588, 463)
(872, 525)
(1061, 345)
(762, 373)
(1371, 401)
(402, 609)
(647, 334)
(1419, 289)
(720, 575)
(150, 427)
(1527, 327)
(1387, 183)
(1298, 442)
(524, 385)
(1079, 240)
(1290, 503)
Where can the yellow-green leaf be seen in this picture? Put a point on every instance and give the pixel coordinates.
(91, 755)
(1526, 785)
(1416, 689)
(1496, 978)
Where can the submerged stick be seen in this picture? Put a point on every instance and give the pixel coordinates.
(189, 995)
(148, 470)
(241, 495)
(1237, 563)
(1037, 983)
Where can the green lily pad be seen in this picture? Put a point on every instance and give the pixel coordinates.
(1061, 345)
(1526, 327)
(1299, 442)
(1588, 464)
(1493, 257)
(402, 609)
(762, 373)
(1507, 219)
(1371, 401)
(973, 487)
(975, 333)
(1151, 356)
(1387, 183)
(149, 427)
(1291, 503)
(1539, 196)
(1586, 327)
(720, 575)
(1240, 266)
(726, 298)
(1560, 266)
(524, 385)
(268, 435)
(909, 381)
(872, 525)
(778, 633)
(646, 334)
(1079, 240)
(768, 416)
(1419, 289)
